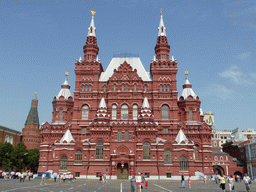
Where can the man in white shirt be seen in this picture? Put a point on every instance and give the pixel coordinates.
(247, 182)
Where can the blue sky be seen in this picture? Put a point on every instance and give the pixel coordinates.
(213, 40)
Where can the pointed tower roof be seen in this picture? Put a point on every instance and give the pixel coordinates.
(65, 88)
(181, 137)
(92, 28)
(172, 58)
(161, 28)
(67, 137)
(145, 103)
(102, 103)
(187, 88)
(33, 114)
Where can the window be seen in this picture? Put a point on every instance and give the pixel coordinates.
(168, 88)
(114, 87)
(168, 175)
(165, 130)
(99, 150)
(90, 88)
(104, 88)
(146, 88)
(119, 136)
(85, 112)
(126, 136)
(183, 164)
(221, 158)
(168, 157)
(146, 150)
(63, 163)
(135, 112)
(122, 87)
(164, 66)
(78, 157)
(190, 115)
(61, 115)
(83, 130)
(126, 87)
(11, 140)
(135, 87)
(164, 88)
(215, 143)
(165, 112)
(216, 158)
(114, 112)
(147, 175)
(6, 138)
(196, 152)
(86, 88)
(82, 88)
(161, 88)
(77, 174)
(124, 112)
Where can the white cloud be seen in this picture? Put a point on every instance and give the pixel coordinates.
(217, 91)
(236, 76)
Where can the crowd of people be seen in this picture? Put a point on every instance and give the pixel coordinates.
(17, 175)
(139, 182)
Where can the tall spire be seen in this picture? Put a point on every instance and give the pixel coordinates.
(33, 114)
(187, 88)
(161, 28)
(92, 28)
(65, 88)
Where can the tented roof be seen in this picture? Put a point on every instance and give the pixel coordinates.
(67, 137)
(181, 137)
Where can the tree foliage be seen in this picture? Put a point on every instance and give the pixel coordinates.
(18, 157)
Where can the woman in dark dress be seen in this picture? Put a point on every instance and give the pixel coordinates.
(133, 184)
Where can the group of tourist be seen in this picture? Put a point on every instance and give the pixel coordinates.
(103, 177)
(17, 175)
(139, 182)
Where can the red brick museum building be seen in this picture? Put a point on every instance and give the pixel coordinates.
(125, 120)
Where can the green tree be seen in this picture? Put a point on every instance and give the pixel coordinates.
(32, 159)
(6, 150)
(18, 156)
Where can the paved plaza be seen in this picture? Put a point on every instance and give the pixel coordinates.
(82, 185)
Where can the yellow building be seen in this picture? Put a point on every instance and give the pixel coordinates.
(9, 135)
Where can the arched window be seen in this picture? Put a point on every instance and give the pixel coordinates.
(161, 88)
(85, 112)
(63, 163)
(135, 87)
(61, 115)
(122, 87)
(146, 150)
(126, 136)
(126, 87)
(11, 140)
(164, 88)
(99, 150)
(135, 112)
(190, 115)
(6, 138)
(119, 136)
(104, 88)
(114, 112)
(146, 88)
(196, 152)
(114, 87)
(124, 112)
(183, 164)
(168, 88)
(168, 157)
(165, 112)
(78, 157)
(90, 88)
(164, 66)
(82, 88)
(86, 88)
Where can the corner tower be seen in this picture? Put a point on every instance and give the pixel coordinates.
(30, 133)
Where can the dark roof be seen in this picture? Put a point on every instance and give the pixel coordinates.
(219, 153)
(5, 129)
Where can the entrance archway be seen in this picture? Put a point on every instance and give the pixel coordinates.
(218, 170)
(122, 171)
(239, 173)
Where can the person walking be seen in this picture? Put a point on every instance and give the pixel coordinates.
(204, 178)
(74, 177)
(189, 182)
(43, 179)
(133, 184)
(21, 176)
(138, 181)
(182, 181)
(223, 182)
(64, 177)
(216, 179)
(146, 182)
(231, 183)
(142, 181)
(100, 177)
(247, 182)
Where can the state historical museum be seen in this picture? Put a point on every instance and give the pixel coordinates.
(125, 120)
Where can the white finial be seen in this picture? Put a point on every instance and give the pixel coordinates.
(97, 59)
(172, 58)
(92, 28)
(154, 58)
(80, 59)
(102, 103)
(161, 28)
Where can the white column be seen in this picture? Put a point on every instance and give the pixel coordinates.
(227, 169)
